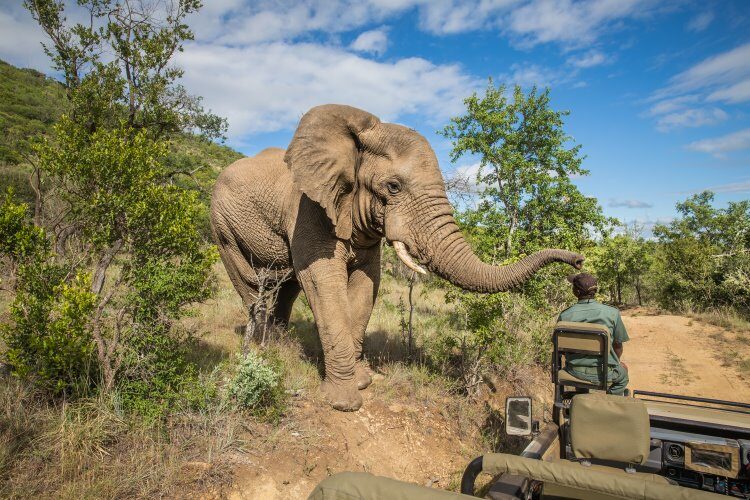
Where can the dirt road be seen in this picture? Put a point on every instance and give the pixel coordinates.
(683, 356)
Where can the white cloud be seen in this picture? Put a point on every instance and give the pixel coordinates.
(268, 87)
(723, 78)
(719, 146)
(373, 41)
(571, 22)
(691, 117)
(588, 59)
(700, 22)
(721, 70)
(529, 22)
(629, 204)
(527, 75)
(739, 92)
(734, 187)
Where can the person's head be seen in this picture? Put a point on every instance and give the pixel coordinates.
(584, 285)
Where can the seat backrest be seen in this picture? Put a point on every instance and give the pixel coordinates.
(607, 427)
(582, 338)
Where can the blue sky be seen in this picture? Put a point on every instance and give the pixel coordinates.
(659, 92)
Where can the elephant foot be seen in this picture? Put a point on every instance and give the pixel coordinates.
(362, 375)
(343, 396)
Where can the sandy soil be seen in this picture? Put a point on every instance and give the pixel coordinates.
(683, 356)
(417, 443)
(423, 443)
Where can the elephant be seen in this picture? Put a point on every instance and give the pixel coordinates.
(316, 215)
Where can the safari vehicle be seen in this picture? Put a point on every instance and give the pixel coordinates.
(599, 446)
(648, 445)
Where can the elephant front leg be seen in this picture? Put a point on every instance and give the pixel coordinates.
(325, 284)
(363, 289)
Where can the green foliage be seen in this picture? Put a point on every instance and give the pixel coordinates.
(620, 261)
(159, 378)
(257, 384)
(703, 259)
(134, 201)
(497, 334)
(20, 241)
(48, 336)
(527, 200)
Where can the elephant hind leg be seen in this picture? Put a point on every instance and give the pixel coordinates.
(282, 309)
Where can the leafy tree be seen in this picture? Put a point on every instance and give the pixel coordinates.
(527, 199)
(704, 255)
(122, 209)
(620, 261)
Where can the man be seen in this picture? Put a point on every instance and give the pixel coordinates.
(588, 310)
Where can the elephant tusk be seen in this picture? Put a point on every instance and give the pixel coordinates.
(403, 254)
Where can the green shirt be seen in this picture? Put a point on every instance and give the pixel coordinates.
(591, 311)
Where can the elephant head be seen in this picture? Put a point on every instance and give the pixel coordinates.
(376, 179)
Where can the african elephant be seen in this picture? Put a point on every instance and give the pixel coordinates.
(319, 211)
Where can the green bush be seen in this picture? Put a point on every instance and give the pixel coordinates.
(257, 384)
(48, 336)
(499, 333)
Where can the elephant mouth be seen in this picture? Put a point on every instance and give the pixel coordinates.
(407, 259)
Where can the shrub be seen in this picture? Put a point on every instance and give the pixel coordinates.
(257, 384)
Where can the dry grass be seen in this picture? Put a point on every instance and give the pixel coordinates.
(725, 318)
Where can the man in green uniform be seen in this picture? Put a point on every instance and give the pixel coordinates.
(588, 310)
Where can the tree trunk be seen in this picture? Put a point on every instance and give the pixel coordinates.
(638, 289)
(101, 269)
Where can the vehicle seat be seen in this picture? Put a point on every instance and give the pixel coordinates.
(570, 337)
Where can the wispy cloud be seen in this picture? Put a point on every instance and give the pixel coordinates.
(373, 42)
(589, 59)
(528, 75)
(691, 117)
(714, 73)
(719, 146)
(570, 22)
(700, 22)
(629, 204)
(691, 97)
(734, 187)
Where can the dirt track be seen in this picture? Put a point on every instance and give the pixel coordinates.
(682, 356)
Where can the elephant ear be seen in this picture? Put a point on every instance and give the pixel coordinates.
(324, 157)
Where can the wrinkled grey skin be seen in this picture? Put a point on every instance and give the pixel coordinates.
(322, 208)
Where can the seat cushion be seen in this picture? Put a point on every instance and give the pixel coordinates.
(564, 376)
(607, 427)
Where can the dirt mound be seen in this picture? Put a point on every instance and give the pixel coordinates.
(414, 442)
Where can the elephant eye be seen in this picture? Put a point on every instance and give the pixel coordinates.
(393, 187)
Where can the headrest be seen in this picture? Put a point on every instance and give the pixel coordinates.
(608, 427)
(574, 326)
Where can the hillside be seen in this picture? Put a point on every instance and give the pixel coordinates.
(31, 102)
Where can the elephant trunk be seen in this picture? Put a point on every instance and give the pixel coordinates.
(446, 253)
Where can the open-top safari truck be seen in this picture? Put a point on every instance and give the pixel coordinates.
(598, 446)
